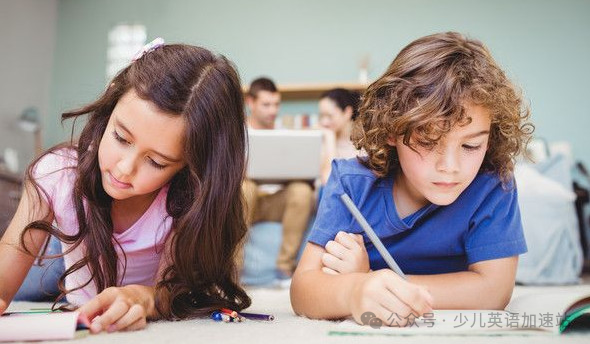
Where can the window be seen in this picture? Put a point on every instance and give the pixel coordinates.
(124, 42)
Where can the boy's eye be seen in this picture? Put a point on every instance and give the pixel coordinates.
(119, 137)
(426, 144)
(472, 147)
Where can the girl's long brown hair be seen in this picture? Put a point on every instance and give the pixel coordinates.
(204, 199)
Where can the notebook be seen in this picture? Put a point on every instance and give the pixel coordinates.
(276, 155)
(43, 325)
(533, 314)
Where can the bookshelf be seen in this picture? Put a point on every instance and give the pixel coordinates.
(312, 91)
(306, 92)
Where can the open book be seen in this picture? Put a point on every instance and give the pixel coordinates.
(549, 313)
(28, 326)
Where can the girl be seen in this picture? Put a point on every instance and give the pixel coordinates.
(147, 203)
(338, 109)
(441, 129)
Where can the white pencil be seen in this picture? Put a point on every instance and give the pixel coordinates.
(372, 235)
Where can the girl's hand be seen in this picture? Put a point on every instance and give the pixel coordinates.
(3, 306)
(345, 254)
(120, 309)
(384, 295)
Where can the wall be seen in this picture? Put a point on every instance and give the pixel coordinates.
(27, 28)
(543, 45)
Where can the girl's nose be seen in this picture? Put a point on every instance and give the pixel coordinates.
(126, 164)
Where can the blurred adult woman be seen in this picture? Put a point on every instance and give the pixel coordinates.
(338, 109)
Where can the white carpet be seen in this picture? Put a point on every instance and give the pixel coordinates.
(288, 328)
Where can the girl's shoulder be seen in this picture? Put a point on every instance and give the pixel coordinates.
(55, 160)
(54, 175)
(55, 164)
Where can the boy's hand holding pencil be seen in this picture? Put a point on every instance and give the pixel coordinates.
(386, 293)
(390, 298)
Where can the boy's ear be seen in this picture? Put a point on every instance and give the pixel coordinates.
(391, 141)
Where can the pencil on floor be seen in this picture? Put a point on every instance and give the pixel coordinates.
(254, 316)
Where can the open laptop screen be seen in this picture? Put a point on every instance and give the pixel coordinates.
(281, 154)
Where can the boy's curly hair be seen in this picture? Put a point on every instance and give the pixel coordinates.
(422, 96)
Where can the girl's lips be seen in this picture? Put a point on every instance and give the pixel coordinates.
(116, 183)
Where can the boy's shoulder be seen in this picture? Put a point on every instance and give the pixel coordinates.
(491, 180)
(355, 176)
(352, 167)
(488, 186)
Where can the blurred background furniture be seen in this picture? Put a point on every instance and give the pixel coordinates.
(30, 122)
(10, 191)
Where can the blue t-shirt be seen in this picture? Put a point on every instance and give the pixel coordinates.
(482, 224)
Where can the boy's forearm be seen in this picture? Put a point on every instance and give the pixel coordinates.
(466, 290)
(317, 295)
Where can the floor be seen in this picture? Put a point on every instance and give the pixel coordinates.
(289, 328)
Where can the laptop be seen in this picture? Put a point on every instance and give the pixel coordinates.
(281, 154)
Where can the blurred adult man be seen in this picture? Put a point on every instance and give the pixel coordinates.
(289, 203)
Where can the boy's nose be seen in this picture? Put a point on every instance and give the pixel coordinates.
(448, 161)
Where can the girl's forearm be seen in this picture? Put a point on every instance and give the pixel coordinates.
(14, 266)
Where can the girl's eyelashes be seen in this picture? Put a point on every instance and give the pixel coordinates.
(119, 137)
(121, 140)
(156, 165)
